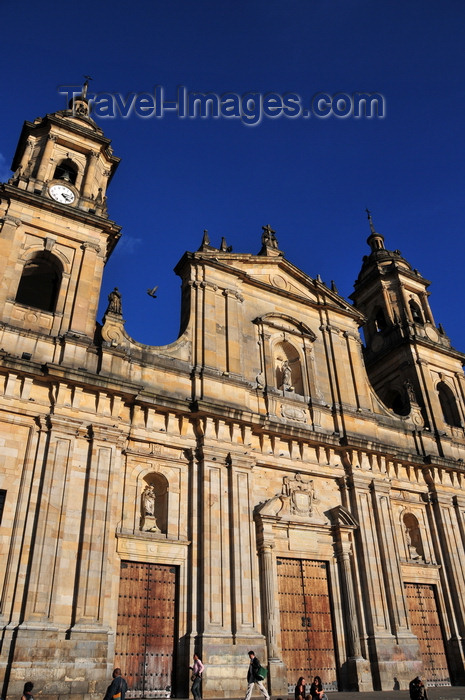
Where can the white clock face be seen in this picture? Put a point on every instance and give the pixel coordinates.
(62, 194)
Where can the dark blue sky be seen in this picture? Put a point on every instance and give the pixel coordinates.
(311, 179)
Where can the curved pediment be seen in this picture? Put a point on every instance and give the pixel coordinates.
(341, 517)
(282, 322)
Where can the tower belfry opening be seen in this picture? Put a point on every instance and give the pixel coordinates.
(40, 283)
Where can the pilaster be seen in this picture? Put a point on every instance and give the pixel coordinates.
(445, 524)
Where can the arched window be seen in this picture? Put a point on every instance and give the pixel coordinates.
(448, 404)
(40, 282)
(154, 504)
(288, 371)
(66, 170)
(416, 312)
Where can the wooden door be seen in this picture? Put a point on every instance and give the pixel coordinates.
(146, 631)
(425, 624)
(307, 639)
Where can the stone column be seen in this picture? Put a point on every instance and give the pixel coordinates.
(10, 242)
(213, 325)
(390, 558)
(32, 434)
(446, 525)
(46, 155)
(343, 550)
(277, 679)
(269, 600)
(374, 594)
(428, 391)
(90, 174)
(54, 526)
(426, 307)
(460, 384)
(449, 522)
(23, 634)
(104, 458)
(197, 305)
(26, 157)
(406, 306)
(327, 332)
(375, 598)
(214, 555)
(360, 385)
(356, 669)
(387, 304)
(232, 325)
(83, 313)
(343, 384)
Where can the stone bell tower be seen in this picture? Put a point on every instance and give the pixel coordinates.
(410, 360)
(55, 234)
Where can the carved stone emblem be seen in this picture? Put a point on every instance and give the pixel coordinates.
(294, 413)
(301, 492)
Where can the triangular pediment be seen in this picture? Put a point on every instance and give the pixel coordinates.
(284, 279)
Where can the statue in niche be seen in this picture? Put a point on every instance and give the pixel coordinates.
(286, 377)
(412, 547)
(148, 520)
(410, 391)
(148, 500)
(301, 491)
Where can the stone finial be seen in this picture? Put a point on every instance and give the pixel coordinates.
(205, 245)
(224, 247)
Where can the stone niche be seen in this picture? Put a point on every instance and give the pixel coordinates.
(154, 504)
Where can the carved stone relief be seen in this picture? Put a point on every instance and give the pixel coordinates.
(301, 493)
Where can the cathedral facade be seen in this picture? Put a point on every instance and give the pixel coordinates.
(268, 481)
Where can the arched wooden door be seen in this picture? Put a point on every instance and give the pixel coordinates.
(146, 632)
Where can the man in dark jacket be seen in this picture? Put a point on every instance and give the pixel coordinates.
(117, 688)
(417, 689)
(253, 677)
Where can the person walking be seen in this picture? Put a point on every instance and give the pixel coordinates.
(253, 677)
(117, 688)
(197, 670)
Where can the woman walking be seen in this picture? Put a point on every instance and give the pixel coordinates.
(197, 670)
